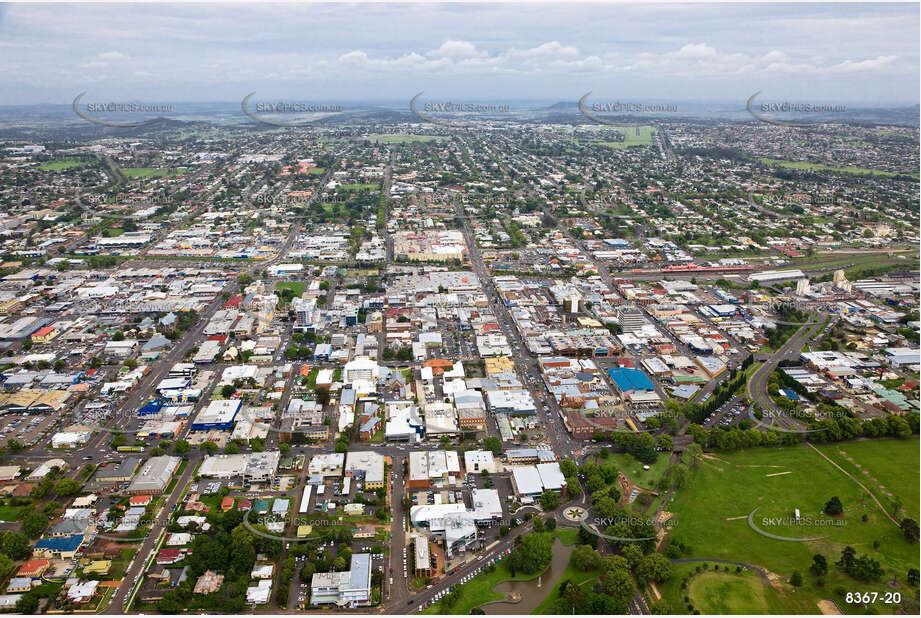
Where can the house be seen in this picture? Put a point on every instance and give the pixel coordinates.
(69, 527)
(259, 594)
(262, 571)
(19, 584)
(140, 500)
(63, 548)
(98, 567)
(33, 568)
(208, 582)
(44, 334)
(82, 592)
(179, 539)
(169, 555)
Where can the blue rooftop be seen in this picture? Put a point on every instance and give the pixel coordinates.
(63, 543)
(628, 379)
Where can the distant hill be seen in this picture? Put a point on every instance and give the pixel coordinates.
(562, 106)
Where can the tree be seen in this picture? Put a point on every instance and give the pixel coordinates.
(209, 447)
(585, 558)
(618, 584)
(16, 545)
(6, 565)
(67, 487)
(819, 565)
(567, 467)
(27, 604)
(656, 567)
(633, 553)
(532, 555)
(910, 529)
(181, 447)
(913, 577)
(664, 442)
(492, 444)
(33, 524)
(834, 506)
(796, 579)
(549, 500)
(660, 607)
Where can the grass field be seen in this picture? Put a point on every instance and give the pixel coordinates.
(632, 467)
(479, 590)
(711, 516)
(405, 139)
(63, 164)
(149, 172)
(297, 286)
(360, 187)
(803, 165)
(572, 574)
(876, 460)
(729, 593)
(10, 513)
(316, 171)
(631, 138)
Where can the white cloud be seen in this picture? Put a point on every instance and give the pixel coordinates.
(457, 50)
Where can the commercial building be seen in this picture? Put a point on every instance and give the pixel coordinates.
(326, 464)
(366, 465)
(477, 461)
(154, 475)
(428, 467)
(532, 481)
(219, 415)
(455, 523)
(350, 588)
(512, 402)
(118, 471)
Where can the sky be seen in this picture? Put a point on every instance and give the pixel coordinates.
(345, 53)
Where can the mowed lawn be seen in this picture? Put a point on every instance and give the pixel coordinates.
(633, 468)
(731, 593)
(711, 516)
(896, 470)
(297, 286)
(631, 138)
(805, 165)
(573, 575)
(63, 164)
(479, 590)
(405, 139)
(149, 172)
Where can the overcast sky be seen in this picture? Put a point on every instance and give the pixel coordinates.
(848, 53)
